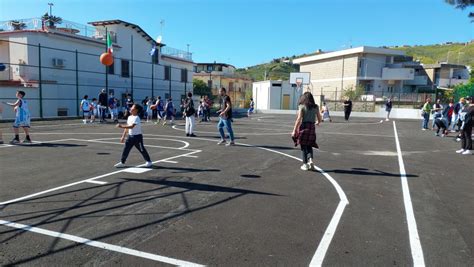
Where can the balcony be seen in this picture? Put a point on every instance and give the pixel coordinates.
(398, 74)
(173, 52)
(450, 82)
(418, 80)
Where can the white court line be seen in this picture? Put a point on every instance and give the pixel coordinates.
(415, 244)
(87, 180)
(186, 144)
(95, 182)
(118, 143)
(98, 244)
(170, 161)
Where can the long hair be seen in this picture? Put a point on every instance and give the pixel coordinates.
(307, 99)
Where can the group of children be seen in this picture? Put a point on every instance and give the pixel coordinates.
(92, 110)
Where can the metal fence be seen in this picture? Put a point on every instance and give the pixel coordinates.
(58, 77)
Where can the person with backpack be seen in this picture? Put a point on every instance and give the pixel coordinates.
(189, 115)
(467, 118)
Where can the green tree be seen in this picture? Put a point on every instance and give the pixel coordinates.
(201, 88)
(354, 93)
(52, 20)
(462, 4)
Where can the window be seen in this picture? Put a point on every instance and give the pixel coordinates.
(195, 69)
(155, 57)
(184, 75)
(111, 69)
(125, 68)
(167, 73)
(209, 67)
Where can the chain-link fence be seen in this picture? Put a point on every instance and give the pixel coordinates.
(55, 79)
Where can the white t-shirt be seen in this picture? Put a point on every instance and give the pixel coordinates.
(138, 127)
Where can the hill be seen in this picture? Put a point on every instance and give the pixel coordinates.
(456, 53)
(280, 68)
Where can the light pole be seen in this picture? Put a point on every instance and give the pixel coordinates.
(50, 9)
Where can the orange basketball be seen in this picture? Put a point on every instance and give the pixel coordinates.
(107, 59)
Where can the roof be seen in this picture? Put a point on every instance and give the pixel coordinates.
(126, 24)
(351, 51)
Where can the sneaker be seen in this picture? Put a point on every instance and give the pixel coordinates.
(467, 152)
(27, 141)
(187, 134)
(231, 143)
(1, 142)
(14, 141)
(460, 151)
(305, 167)
(148, 164)
(453, 131)
(387, 120)
(119, 165)
(311, 165)
(443, 135)
(192, 135)
(423, 129)
(436, 134)
(458, 139)
(222, 142)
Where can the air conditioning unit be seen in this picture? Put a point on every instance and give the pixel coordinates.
(58, 62)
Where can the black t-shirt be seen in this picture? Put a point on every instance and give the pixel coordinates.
(103, 99)
(349, 107)
(226, 99)
(469, 118)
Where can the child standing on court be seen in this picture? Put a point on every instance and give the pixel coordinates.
(135, 137)
(22, 118)
(86, 108)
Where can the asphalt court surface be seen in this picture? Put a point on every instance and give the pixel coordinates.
(63, 202)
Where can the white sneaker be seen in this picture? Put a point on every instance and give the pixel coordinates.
(311, 165)
(305, 167)
(148, 164)
(458, 139)
(467, 152)
(231, 143)
(119, 165)
(387, 120)
(222, 142)
(423, 129)
(460, 151)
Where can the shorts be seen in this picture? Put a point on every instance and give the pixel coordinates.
(250, 110)
(22, 122)
(95, 112)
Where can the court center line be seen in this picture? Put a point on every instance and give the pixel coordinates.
(415, 244)
(98, 244)
(118, 143)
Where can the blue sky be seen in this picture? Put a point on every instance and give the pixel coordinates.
(246, 32)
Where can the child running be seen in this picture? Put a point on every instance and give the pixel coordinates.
(135, 137)
(170, 111)
(22, 118)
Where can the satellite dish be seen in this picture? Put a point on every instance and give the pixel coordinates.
(158, 39)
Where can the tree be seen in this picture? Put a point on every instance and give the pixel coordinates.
(18, 25)
(52, 20)
(201, 88)
(462, 4)
(352, 93)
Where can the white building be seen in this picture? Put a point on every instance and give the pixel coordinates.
(275, 95)
(66, 76)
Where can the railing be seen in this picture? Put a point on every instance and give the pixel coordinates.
(169, 51)
(65, 26)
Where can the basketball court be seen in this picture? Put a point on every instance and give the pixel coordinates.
(385, 194)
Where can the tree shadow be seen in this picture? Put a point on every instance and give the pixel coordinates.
(138, 198)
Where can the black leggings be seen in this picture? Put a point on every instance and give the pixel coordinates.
(347, 114)
(137, 141)
(306, 150)
(440, 125)
(466, 138)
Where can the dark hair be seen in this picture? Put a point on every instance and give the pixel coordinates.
(138, 107)
(94, 99)
(251, 99)
(223, 89)
(190, 94)
(86, 96)
(21, 93)
(159, 97)
(307, 100)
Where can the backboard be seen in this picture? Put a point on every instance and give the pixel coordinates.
(300, 78)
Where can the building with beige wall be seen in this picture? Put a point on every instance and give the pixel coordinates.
(218, 75)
